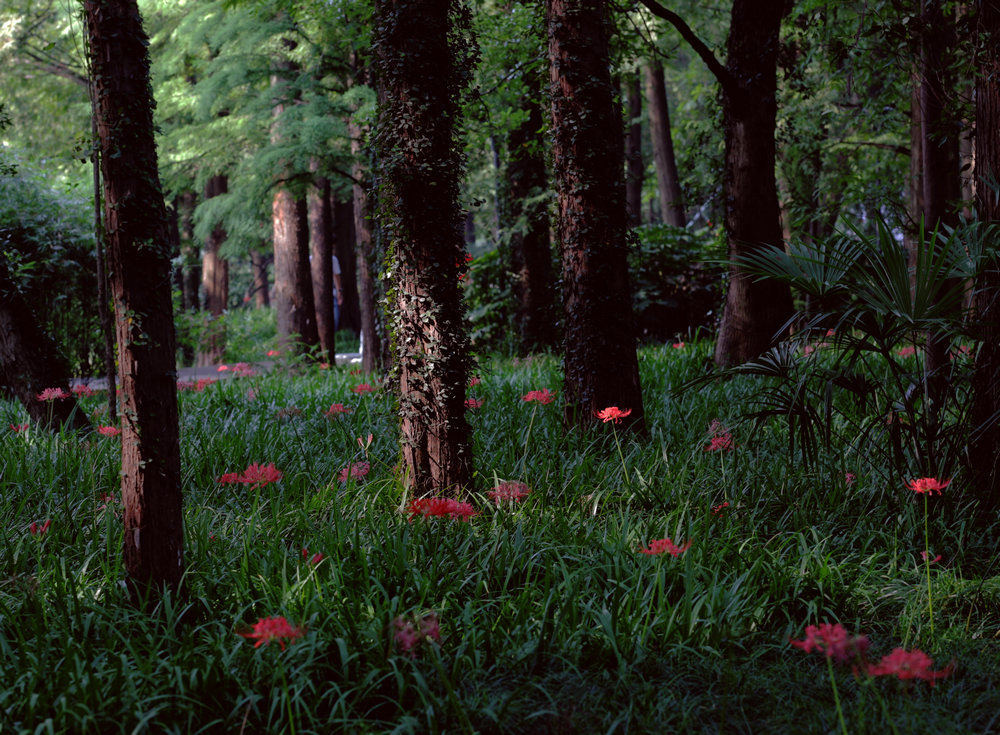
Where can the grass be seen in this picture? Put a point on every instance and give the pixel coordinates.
(551, 621)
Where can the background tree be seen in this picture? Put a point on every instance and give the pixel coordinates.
(424, 55)
(599, 362)
(139, 258)
(671, 199)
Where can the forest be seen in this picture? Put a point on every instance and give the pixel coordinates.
(574, 366)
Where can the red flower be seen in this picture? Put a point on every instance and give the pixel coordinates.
(665, 545)
(52, 394)
(82, 390)
(109, 430)
(268, 630)
(925, 554)
(273, 353)
(927, 485)
(357, 470)
(909, 665)
(907, 351)
(678, 345)
(720, 443)
(363, 388)
(256, 475)
(440, 507)
(356, 371)
(335, 409)
(834, 641)
(316, 558)
(472, 403)
(849, 478)
(517, 491)
(197, 387)
(37, 530)
(539, 396)
(409, 636)
(16, 428)
(717, 510)
(612, 413)
(222, 368)
(243, 370)
(473, 381)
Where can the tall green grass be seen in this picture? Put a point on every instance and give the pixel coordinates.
(551, 619)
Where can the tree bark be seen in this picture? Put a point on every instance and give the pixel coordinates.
(215, 283)
(421, 72)
(321, 264)
(293, 297)
(190, 255)
(984, 442)
(667, 178)
(599, 364)
(635, 166)
(139, 260)
(371, 340)
(261, 287)
(344, 240)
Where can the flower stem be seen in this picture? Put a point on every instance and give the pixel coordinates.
(621, 456)
(836, 696)
(927, 566)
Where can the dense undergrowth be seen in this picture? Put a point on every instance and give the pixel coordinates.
(551, 620)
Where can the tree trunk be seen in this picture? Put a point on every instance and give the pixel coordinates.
(30, 361)
(671, 199)
(190, 255)
(293, 298)
(599, 364)
(635, 166)
(756, 311)
(984, 442)
(261, 288)
(321, 264)
(139, 261)
(422, 60)
(527, 224)
(215, 283)
(344, 239)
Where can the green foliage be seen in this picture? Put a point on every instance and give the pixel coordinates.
(489, 304)
(47, 242)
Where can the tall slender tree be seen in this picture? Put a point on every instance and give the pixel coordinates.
(214, 281)
(669, 184)
(423, 60)
(321, 262)
(139, 258)
(599, 362)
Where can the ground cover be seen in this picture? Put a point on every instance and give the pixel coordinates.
(320, 599)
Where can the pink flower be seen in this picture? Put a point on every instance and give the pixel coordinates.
(251, 395)
(362, 388)
(17, 428)
(357, 470)
(222, 368)
(834, 641)
(927, 485)
(335, 409)
(365, 443)
(273, 353)
(409, 636)
(538, 396)
(109, 430)
(474, 380)
(909, 665)
(720, 443)
(665, 545)
(52, 394)
(243, 370)
(612, 413)
(510, 490)
(41, 530)
(441, 507)
(472, 403)
(907, 351)
(82, 390)
(269, 630)
(256, 475)
(717, 510)
(925, 554)
(316, 558)
(849, 478)
(808, 350)
(197, 387)
(678, 345)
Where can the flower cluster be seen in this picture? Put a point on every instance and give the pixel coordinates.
(411, 633)
(256, 475)
(834, 641)
(473, 403)
(52, 394)
(721, 439)
(81, 390)
(612, 413)
(197, 386)
(335, 409)
(905, 665)
(510, 490)
(927, 485)
(664, 546)
(442, 507)
(17, 428)
(269, 630)
(362, 388)
(357, 470)
(109, 430)
(315, 559)
(41, 530)
(538, 396)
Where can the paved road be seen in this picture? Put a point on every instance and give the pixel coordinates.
(212, 371)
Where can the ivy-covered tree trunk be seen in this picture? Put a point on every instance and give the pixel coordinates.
(984, 443)
(668, 181)
(139, 259)
(214, 282)
(756, 310)
(424, 58)
(526, 220)
(599, 362)
(321, 264)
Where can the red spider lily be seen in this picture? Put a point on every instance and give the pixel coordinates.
(357, 470)
(82, 390)
(273, 353)
(927, 485)
(365, 443)
(473, 403)
(612, 413)
(243, 370)
(256, 475)
(834, 641)
(198, 386)
(17, 428)
(511, 490)
(474, 381)
(678, 345)
(109, 430)
(913, 664)
(925, 554)
(52, 394)
(665, 545)
(269, 630)
(409, 636)
(362, 388)
(907, 351)
(720, 443)
(41, 530)
(335, 409)
(849, 478)
(316, 558)
(538, 396)
(717, 510)
(443, 507)
(222, 368)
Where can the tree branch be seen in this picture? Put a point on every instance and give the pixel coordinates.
(714, 65)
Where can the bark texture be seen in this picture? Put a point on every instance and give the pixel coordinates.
(293, 296)
(371, 340)
(599, 363)
(214, 282)
(423, 63)
(344, 245)
(321, 264)
(667, 179)
(139, 260)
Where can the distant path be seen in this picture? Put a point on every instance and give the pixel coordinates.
(212, 371)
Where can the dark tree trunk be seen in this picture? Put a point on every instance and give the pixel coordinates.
(599, 364)
(527, 224)
(215, 283)
(321, 264)
(344, 245)
(293, 298)
(420, 49)
(30, 361)
(668, 181)
(984, 443)
(371, 339)
(756, 311)
(139, 261)
(261, 288)
(190, 255)
(635, 167)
